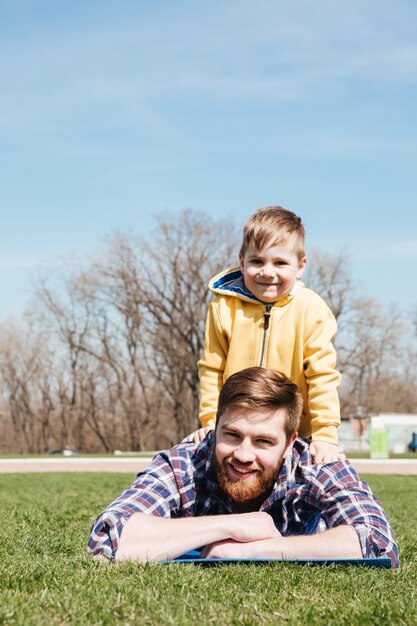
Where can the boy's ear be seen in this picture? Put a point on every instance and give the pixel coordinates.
(301, 267)
(241, 262)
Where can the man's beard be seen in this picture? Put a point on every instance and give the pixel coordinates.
(247, 489)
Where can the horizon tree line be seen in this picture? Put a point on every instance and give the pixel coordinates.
(106, 358)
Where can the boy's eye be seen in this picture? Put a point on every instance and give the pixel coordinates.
(256, 261)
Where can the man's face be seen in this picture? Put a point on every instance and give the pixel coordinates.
(270, 273)
(249, 451)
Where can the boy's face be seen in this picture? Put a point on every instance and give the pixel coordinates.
(270, 273)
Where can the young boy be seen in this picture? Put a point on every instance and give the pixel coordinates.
(263, 315)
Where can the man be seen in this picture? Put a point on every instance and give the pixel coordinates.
(247, 490)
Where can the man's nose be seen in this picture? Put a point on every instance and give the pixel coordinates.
(245, 453)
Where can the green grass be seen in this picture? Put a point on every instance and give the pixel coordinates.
(46, 578)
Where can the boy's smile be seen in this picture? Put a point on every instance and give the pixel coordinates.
(270, 273)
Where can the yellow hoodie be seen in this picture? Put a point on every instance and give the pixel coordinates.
(293, 336)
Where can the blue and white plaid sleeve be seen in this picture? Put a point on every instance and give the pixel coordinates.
(154, 492)
(343, 498)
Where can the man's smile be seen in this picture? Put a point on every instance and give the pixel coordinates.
(240, 472)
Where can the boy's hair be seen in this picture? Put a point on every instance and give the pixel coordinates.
(272, 224)
(263, 389)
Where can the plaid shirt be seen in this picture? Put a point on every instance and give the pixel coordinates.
(306, 498)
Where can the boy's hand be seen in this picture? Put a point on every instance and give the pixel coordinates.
(198, 435)
(323, 452)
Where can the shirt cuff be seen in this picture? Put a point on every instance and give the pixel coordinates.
(105, 535)
(374, 545)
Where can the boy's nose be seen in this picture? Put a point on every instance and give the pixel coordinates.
(267, 271)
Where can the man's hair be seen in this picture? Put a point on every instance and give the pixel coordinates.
(260, 388)
(272, 224)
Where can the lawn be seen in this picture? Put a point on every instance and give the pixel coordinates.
(46, 578)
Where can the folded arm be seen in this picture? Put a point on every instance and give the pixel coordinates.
(336, 543)
(149, 538)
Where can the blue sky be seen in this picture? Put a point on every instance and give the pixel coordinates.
(112, 111)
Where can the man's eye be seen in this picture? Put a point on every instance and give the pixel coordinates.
(265, 442)
(231, 435)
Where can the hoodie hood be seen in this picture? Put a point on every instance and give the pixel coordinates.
(230, 282)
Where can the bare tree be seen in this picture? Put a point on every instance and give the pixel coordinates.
(25, 373)
(87, 312)
(67, 318)
(371, 343)
(118, 336)
(327, 274)
(184, 252)
(131, 322)
(371, 351)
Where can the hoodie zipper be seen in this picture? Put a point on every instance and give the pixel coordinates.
(267, 316)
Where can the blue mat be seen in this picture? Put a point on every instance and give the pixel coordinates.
(194, 557)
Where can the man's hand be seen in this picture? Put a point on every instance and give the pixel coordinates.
(249, 539)
(198, 435)
(234, 550)
(323, 452)
(252, 527)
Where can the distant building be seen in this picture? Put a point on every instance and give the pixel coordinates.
(400, 427)
(354, 433)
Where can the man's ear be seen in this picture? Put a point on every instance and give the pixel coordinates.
(301, 267)
(290, 444)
